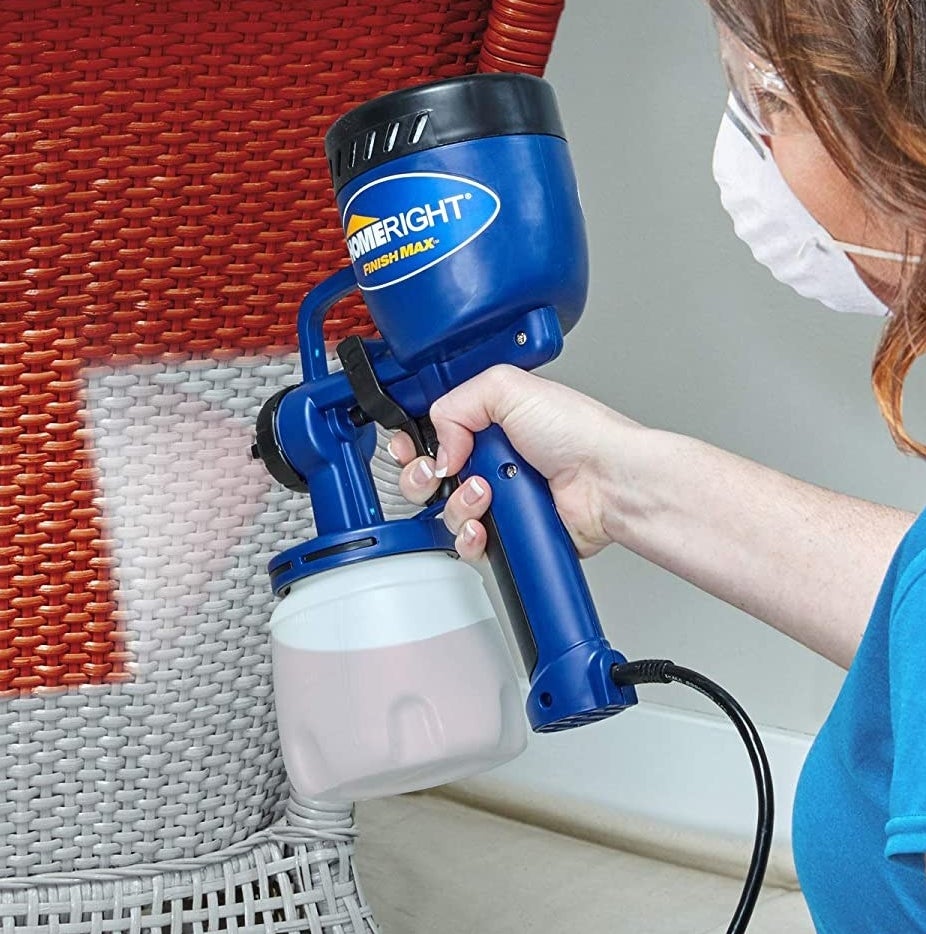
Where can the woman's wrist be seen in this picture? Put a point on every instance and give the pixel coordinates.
(637, 464)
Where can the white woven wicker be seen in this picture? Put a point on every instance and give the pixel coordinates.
(160, 804)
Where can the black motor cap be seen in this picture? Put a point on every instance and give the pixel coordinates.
(432, 115)
(267, 448)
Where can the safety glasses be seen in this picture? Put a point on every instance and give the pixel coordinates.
(767, 103)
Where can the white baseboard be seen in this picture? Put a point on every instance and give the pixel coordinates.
(657, 780)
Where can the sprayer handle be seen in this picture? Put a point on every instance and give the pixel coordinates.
(547, 598)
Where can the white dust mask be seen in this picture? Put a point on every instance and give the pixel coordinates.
(780, 231)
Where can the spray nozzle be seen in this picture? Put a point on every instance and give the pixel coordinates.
(267, 447)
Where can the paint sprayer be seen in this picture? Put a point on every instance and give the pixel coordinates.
(462, 216)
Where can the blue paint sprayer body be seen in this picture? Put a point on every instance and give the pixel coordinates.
(469, 253)
(462, 218)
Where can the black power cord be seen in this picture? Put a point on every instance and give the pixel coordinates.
(660, 671)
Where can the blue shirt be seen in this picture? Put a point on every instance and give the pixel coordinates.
(860, 809)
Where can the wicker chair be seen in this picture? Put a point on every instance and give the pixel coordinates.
(164, 205)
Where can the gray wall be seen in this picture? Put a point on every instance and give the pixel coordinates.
(686, 332)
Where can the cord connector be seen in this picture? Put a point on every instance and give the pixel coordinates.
(644, 671)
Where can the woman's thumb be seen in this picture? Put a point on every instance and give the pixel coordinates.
(482, 401)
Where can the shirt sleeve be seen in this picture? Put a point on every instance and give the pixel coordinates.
(906, 826)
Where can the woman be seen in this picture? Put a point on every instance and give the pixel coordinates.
(821, 161)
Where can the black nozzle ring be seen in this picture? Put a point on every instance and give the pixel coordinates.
(267, 447)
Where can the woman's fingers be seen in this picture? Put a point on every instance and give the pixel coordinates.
(401, 448)
(471, 542)
(462, 514)
(470, 501)
(418, 482)
(463, 510)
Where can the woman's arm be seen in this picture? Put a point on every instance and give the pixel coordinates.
(803, 559)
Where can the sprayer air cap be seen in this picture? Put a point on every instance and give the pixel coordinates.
(432, 115)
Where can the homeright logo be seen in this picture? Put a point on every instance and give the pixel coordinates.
(401, 225)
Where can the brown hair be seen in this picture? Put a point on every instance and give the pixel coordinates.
(858, 71)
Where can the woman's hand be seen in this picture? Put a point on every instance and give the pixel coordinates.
(570, 439)
(804, 559)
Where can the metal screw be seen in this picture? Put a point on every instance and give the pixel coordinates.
(520, 338)
(511, 471)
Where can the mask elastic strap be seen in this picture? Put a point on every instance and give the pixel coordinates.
(875, 254)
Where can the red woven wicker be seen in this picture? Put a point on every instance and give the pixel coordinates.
(163, 191)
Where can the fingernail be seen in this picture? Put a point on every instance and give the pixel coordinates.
(441, 463)
(423, 474)
(392, 453)
(473, 492)
(469, 532)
